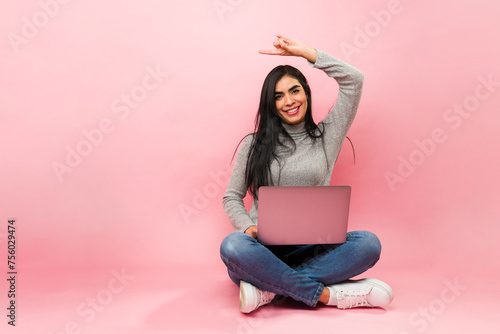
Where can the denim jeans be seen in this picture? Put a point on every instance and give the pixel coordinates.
(299, 272)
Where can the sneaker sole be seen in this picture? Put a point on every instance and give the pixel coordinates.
(247, 294)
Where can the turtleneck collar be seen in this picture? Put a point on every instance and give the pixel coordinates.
(295, 129)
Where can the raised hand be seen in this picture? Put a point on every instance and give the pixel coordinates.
(291, 47)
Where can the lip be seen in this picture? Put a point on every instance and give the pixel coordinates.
(293, 113)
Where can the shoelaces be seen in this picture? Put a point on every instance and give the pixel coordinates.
(265, 297)
(346, 300)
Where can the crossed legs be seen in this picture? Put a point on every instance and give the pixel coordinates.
(299, 272)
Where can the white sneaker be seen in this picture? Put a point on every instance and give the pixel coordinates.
(367, 292)
(252, 298)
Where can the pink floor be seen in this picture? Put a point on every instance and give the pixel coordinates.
(202, 299)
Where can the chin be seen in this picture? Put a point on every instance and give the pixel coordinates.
(292, 123)
(293, 120)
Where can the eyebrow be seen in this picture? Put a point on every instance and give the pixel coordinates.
(293, 87)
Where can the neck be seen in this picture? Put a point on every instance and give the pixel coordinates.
(295, 128)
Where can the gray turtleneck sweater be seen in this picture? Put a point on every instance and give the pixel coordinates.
(311, 164)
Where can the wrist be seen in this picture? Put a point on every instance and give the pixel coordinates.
(248, 229)
(311, 54)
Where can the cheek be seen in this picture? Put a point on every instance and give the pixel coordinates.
(304, 102)
(279, 105)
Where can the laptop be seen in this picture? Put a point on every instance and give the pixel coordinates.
(303, 215)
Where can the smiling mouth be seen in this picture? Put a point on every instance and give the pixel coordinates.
(292, 111)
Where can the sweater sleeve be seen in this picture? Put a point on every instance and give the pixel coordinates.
(232, 201)
(350, 81)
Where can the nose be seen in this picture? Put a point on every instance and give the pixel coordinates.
(288, 100)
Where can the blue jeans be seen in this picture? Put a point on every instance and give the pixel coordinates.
(299, 272)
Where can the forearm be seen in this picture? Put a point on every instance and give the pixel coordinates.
(310, 54)
(236, 212)
(232, 201)
(350, 81)
(346, 75)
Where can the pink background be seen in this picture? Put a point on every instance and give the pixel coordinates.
(144, 196)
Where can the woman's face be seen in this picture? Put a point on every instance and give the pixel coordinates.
(291, 100)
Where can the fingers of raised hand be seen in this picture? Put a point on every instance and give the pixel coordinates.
(283, 39)
(281, 45)
(278, 51)
(267, 52)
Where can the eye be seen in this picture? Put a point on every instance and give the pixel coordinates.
(295, 91)
(277, 97)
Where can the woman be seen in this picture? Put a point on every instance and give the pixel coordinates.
(289, 149)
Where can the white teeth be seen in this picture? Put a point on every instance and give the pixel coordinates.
(292, 111)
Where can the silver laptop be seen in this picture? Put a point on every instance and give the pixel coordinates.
(303, 215)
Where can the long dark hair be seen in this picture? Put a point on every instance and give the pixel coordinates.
(268, 128)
